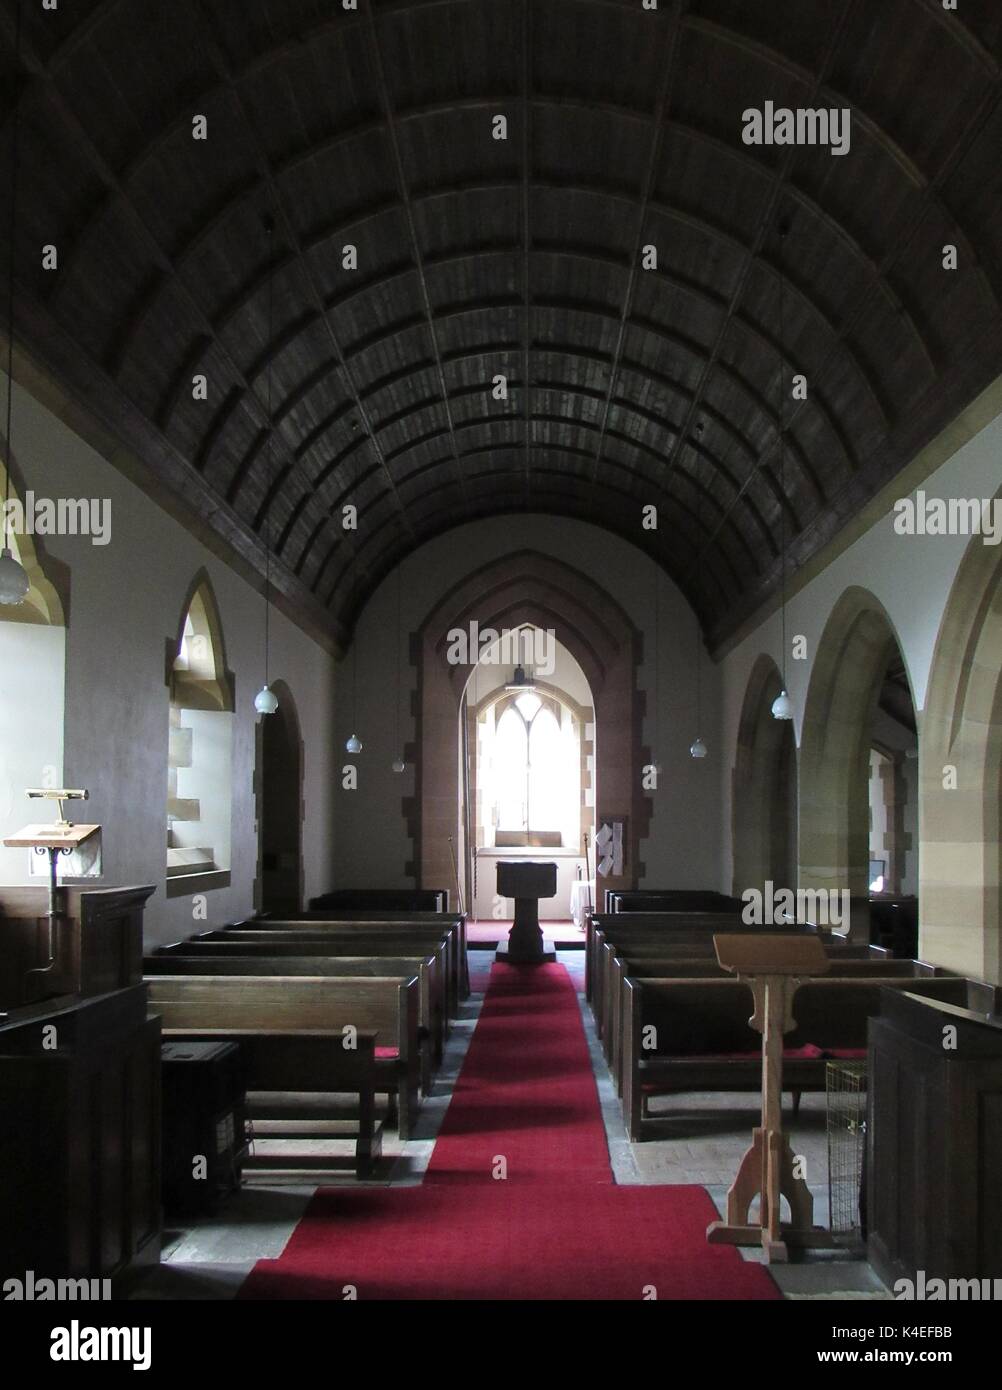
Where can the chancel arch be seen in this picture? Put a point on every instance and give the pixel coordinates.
(856, 650)
(200, 749)
(530, 588)
(960, 921)
(764, 788)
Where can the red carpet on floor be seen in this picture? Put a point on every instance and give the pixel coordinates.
(555, 1227)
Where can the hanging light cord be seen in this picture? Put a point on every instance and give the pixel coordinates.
(782, 453)
(271, 448)
(699, 587)
(398, 666)
(15, 130)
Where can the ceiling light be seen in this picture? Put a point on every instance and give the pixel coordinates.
(698, 749)
(354, 744)
(520, 681)
(782, 706)
(14, 582)
(266, 701)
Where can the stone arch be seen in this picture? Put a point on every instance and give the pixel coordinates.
(960, 919)
(834, 812)
(529, 587)
(764, 782)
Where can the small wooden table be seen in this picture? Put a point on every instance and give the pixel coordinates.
(526, 882)
(773, 965)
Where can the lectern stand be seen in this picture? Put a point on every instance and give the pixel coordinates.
(52, 840)
(773, 967)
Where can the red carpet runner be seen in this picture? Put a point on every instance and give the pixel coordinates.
(555, 1227)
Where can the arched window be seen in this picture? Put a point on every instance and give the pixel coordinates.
(32, 685)
(533, 772)
(200, 760)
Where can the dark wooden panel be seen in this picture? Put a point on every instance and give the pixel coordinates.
(934, 1141)
(79, 1147)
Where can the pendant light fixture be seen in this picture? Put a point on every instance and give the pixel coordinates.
(698, 749)
(266, 701)
(782, 706)
(14, 582)
(398, 764)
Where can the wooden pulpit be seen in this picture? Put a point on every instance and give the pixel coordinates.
(526, 882)
(773, 967)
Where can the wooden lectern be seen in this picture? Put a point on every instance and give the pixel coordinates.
(773, 966)
(526, 881)
(52, 840)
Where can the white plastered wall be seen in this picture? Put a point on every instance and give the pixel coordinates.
(125, 603)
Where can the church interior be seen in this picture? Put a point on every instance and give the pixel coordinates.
(501, 652)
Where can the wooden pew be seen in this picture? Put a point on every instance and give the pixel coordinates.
(431, 978)
(275, 1064)
(684, 933)
(663, 925)
(670, 900)
(383, 899)
(218, 1005)
(400, 937)
(694, 945)
(621, 962)
(704, 1042)
(452, 923)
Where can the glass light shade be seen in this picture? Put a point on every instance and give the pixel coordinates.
(398, 765)
(782, 706)
(266, 701)
(698, 749)
(354, 744)
(14, 582)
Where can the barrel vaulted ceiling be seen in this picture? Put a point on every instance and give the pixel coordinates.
(520, 257)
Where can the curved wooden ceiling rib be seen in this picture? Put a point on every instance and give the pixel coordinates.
(607, 385)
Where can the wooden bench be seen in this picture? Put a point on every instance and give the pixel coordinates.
(661, 925)
(704, 1043)
(371, 938)
(429, 970)
(686, 934)
(192, 1005)
(695, 946)
(645, 962)
(451, 923)
(670, 900)
(276, 1062)
(383, 899)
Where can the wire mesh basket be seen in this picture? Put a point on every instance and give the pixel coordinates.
(845, 1084)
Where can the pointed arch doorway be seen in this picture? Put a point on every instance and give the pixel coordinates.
(280, 807)
(529, 765)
